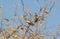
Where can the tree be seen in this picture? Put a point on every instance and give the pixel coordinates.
(27, 22)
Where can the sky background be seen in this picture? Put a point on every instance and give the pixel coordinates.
(8, 9)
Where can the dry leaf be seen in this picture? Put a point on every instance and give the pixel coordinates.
(3, 37)
(15, 14)
(58, 28)
(22, 28)
(30, 22)
(10, 27)
(6, 19)
(7, 34)
(42, 37)
(23, 16)
(21, 36)
(45, 11)
(40, 23)
(0, 14)
(39, 37)
(51, 37)
(0, 6)
(15, 35)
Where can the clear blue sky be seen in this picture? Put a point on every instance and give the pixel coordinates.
(53, 20)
